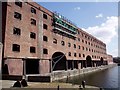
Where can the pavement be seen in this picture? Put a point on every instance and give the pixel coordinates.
(37, 85)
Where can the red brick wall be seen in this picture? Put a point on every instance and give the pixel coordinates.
(25, 41)
(15, 67)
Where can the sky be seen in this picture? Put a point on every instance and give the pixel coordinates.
(76, 0)
(100, 19)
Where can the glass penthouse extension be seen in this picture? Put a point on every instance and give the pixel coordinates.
(64, 25)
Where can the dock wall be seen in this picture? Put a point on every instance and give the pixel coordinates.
(57, 75)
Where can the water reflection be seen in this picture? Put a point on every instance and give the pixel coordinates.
(107, 78)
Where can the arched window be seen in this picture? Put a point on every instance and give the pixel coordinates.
(45, 51)
(69, 44)
(62, 43)
(54, 40)
(75, 55)
(79, 55)
(16, 47)
(83, 55)
(69, 53)
(74, 46)
(45, 38)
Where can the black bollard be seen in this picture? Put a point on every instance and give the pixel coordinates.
(24, 83)
(58, 87)
(67, 79)
(83, 84)
(80, 87)
(17, 84)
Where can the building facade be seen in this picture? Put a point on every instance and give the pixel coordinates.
(38, 41)
(1, 46)
(110, 59)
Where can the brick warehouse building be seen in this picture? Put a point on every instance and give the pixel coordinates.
(38, 41)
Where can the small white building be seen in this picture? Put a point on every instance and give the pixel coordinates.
(110, 59)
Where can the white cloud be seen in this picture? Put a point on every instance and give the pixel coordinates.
(106, 31)
(77, 8)
(99, 15)
(114, 52)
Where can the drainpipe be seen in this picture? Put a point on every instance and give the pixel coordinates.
(66, 65)
(24, 69)
(73, 64)
(85, 64)
(50, 65)
(51, 69)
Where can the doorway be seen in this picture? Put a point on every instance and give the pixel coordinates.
(32, 66)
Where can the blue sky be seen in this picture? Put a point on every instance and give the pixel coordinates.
(97, 18)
